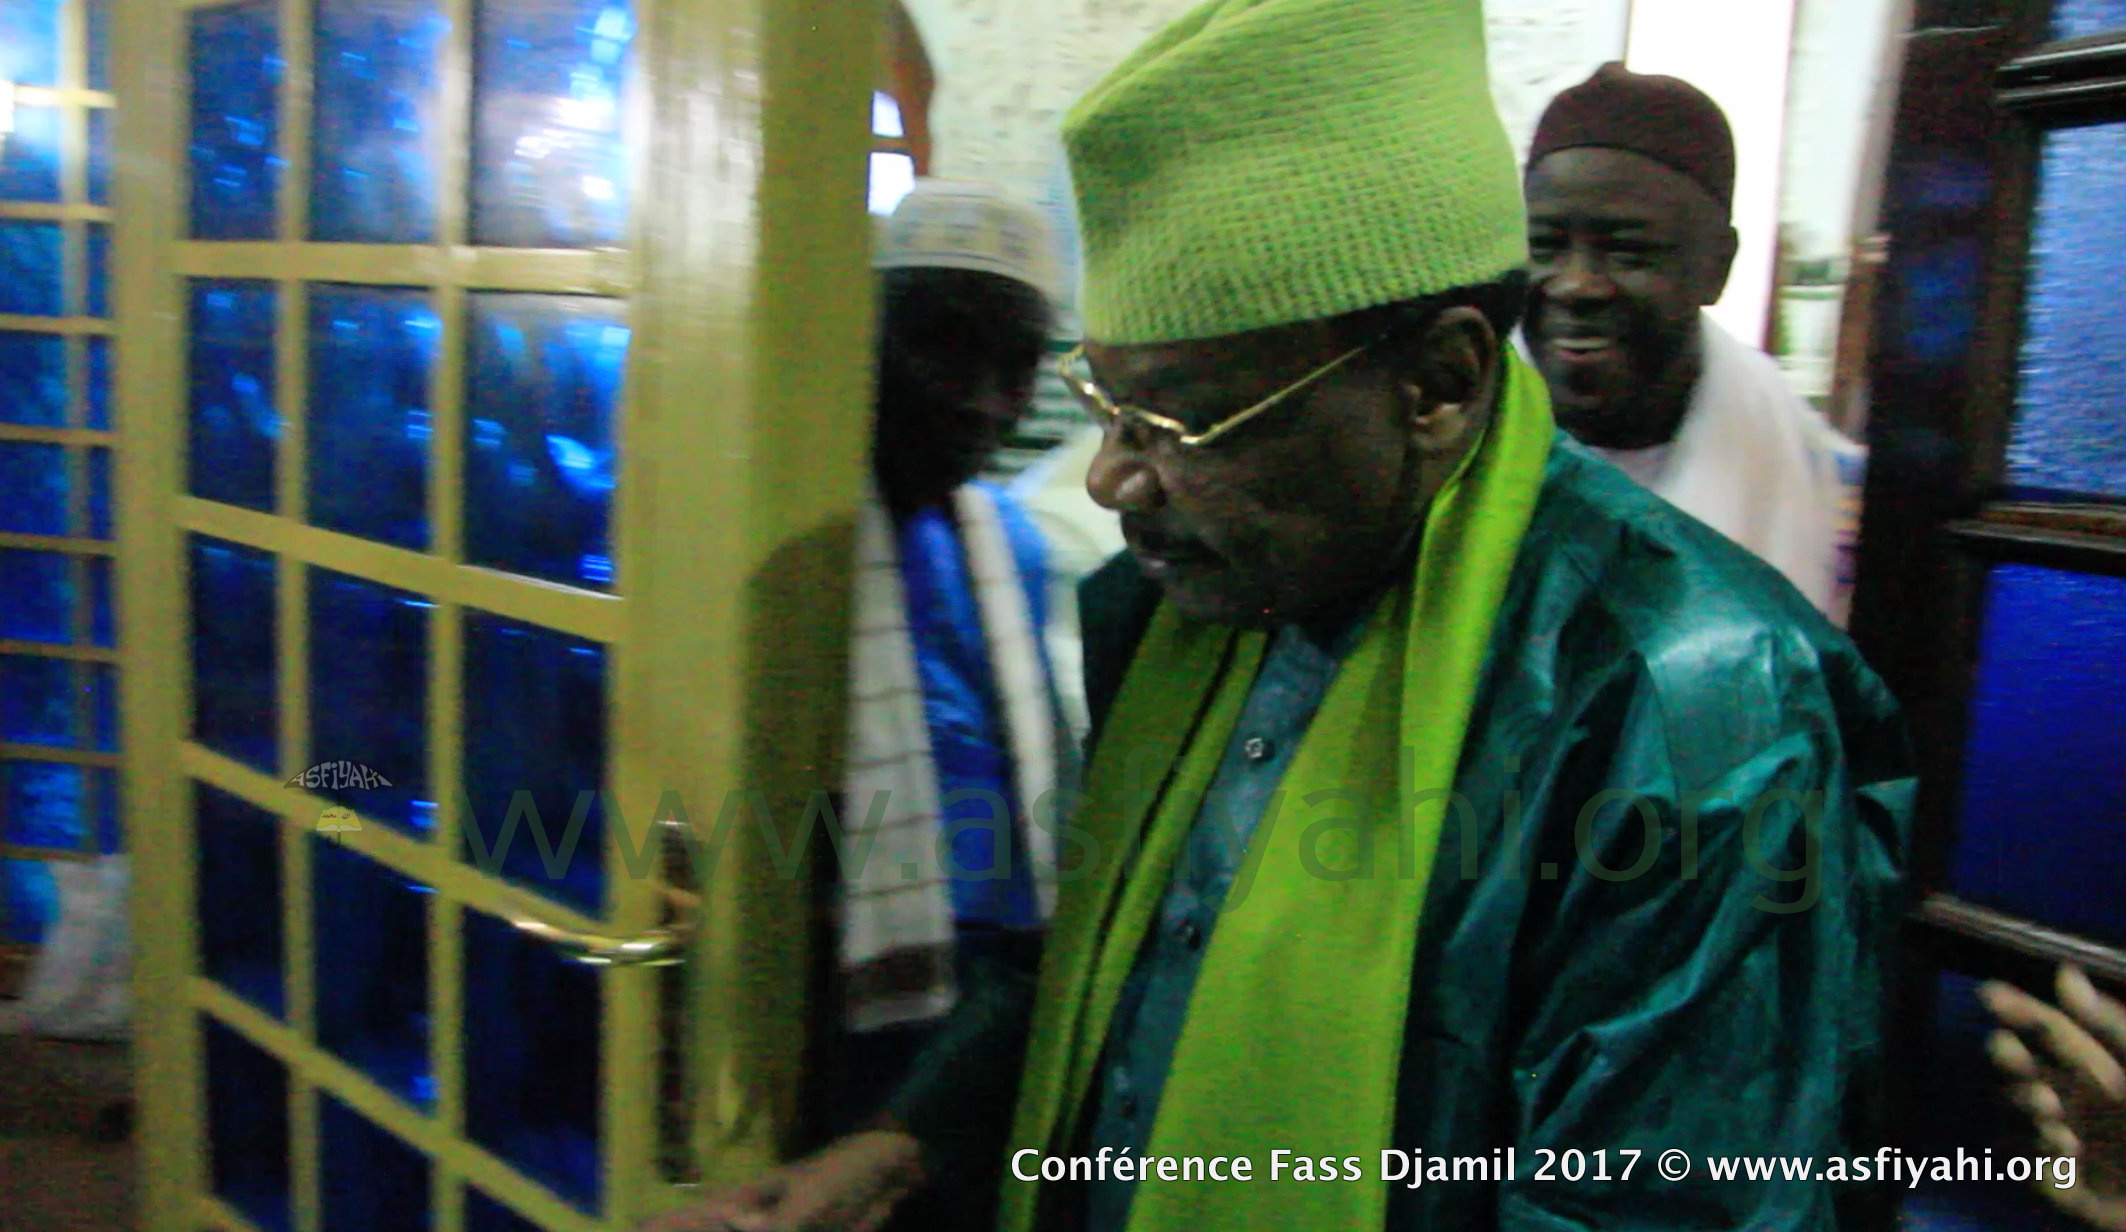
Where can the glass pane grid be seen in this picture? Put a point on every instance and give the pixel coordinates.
(349, 398)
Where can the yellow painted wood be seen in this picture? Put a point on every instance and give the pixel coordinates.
(55, 325)
(50, 855)
(59, 436)
(64, 757)
(48, 211)
(752, 371)
(59, 543)
(48, 650)
(584, 613)
(64, 96)
(211, 1212)
(147, 42)
(565, 271)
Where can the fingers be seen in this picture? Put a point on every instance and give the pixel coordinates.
(2105, 1020)
(2064, 1042)
(2011, 1057)
(2107, 1213)
(2039, 1100)
(2016, 1009)
(2056, 1138)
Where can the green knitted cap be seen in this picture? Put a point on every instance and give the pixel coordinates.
(1265, 162)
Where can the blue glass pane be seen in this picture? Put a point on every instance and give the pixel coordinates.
(36, 596)
(371, 350)
(36, 701)
(100, 384)
(535, 739)
(100, 156)
(58, 702)
(234, 425)
(372, 969)
(45, 804)
(247, 1127)
(369, 1180)
(29, 252)
(32, 379)
(374, 175)
(484, 1214)
(107, 806)
(99, 50)
(2044, 817)
(2067, 437)
(33, 482)
(102, 688)
(29, 156)
(235, 695)
(369, 697)
(29, 42)
(550, 166)
(2078, 18)
(103, 613)
(236, 66)
(541, 449)
(99, 270)
(531, 1058)
(29, 900)
(99, 493)
(239, 889)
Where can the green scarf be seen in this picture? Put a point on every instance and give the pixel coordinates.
(1295, 1027)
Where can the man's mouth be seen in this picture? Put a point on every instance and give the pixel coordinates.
(1584, 349)
(1164, 556)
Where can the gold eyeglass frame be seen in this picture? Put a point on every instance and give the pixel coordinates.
(1103, 408)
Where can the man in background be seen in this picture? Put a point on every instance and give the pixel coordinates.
(955, 730)
(1081, 537)
(1630, 189)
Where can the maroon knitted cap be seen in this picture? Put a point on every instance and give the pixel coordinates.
(1666, 119)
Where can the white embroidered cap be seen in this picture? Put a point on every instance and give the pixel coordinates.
(963, 224)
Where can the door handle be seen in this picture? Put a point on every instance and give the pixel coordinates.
(663, 946)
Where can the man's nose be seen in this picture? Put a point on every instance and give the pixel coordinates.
(1580, 275)
(1121, 477)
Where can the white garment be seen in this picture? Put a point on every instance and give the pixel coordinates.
(899, 905)
(80, 986)
(1766, 469)
(1081, 537)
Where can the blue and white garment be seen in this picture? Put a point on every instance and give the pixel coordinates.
(952, 709)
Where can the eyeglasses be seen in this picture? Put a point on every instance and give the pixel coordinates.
(1076, 372)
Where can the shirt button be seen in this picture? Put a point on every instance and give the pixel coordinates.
(1256, 749)
(1191, 934)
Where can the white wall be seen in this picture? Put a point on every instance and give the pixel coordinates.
(1007, 71)
(1737, 51)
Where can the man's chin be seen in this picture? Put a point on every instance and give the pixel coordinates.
(1213, 605)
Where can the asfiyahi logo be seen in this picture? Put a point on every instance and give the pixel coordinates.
(336, 821)
(339, 776)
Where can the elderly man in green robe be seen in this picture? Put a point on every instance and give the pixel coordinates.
(1472, 841)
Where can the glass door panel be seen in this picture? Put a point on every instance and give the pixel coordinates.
(427, 655)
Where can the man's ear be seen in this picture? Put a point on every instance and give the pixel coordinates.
(1720, 266)
(1452, 379)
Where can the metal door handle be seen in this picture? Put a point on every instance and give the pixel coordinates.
(663, 946)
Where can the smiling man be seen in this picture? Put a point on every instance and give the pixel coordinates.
(1630, 184)
(1449, 793)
